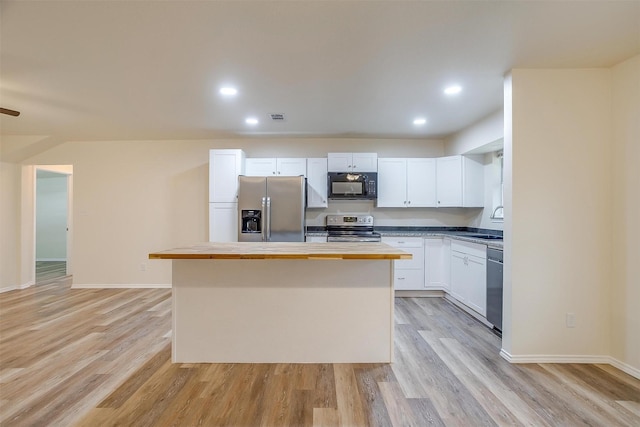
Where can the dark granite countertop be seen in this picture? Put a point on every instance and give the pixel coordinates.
(460, 233)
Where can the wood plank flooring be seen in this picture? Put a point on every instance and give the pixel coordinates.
(91, 357)
(47, 270)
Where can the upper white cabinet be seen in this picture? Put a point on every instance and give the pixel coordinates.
(469, 275)
(317, 182)
(460, 181)
(276, 167)
(224, 168)
(352, 162)
(406, 182)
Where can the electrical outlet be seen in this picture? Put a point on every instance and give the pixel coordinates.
(143, 267)
(571, 320)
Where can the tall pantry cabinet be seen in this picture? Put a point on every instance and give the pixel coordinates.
(225, 165)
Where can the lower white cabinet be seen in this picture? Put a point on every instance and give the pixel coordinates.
(436, 263)
(223, 222)
(408, 274)
(316, 239)
(469, 275)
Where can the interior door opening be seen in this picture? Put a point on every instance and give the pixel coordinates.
(53, 213)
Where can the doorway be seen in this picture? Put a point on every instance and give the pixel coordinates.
(53, 201)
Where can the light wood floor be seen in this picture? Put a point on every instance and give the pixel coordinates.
(102, 357)
(47, 270)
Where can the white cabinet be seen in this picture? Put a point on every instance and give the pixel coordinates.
(460, 181)
(408, 274)
(223, 222)
(317, 183)
(352, 162)
(224, 168)
(406, 182)
(276, 166)
(316, 239)
(436, 263)
(468, 275)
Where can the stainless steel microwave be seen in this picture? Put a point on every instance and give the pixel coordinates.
(352, 185)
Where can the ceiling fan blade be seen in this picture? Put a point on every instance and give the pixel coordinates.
(10, 112)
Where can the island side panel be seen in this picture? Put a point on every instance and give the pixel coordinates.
(282, 311)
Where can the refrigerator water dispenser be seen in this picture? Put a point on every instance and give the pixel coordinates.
(251, 222)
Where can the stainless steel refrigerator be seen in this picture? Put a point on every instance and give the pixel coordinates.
(271, 209)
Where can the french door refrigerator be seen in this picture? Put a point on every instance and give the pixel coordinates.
(271, 209)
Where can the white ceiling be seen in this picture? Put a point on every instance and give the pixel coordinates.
(89, 70)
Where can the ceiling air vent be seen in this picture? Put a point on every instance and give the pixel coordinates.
(277, 117)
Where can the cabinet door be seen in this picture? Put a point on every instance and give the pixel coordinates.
(224, 168)
(392, 183)
(446, 264)
(477, 277)
(317, 183)
(291, 166)
(449, 181)
(364, 162)
(316, 239)
(421, 183)
(459, 276)
(260, 167)
(339, 162)
(223, 222)
(433, 263)
(472, 181)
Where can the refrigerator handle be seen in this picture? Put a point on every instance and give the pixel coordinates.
(263, 219)
(268, 219)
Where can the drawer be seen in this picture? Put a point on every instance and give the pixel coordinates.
(417, 262)
(408, 279)
(468, 248)
(403, 242)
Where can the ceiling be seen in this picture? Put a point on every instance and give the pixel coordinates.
(97, 70)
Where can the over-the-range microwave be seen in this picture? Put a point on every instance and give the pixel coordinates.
(352, 185)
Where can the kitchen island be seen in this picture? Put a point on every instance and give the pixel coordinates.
(282, 302)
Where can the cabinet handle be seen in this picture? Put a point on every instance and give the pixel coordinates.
(409, 202)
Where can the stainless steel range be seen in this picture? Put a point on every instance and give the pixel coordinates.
(351, 228)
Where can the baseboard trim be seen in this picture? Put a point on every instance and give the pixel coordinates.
(542, 358)
(17, 287)
(121, 286)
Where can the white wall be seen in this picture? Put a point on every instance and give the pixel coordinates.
(479, 134)
(9, 225)
(625, 213)
(51, 217)
(135, 197)
(558, 236)
(474, 138)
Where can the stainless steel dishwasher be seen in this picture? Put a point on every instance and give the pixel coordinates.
(494, 288)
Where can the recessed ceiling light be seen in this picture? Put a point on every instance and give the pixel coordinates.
(453, 90)
(419, 121)
(251, 121)
(228, 91)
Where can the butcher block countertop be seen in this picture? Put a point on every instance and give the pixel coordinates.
(284, 250)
